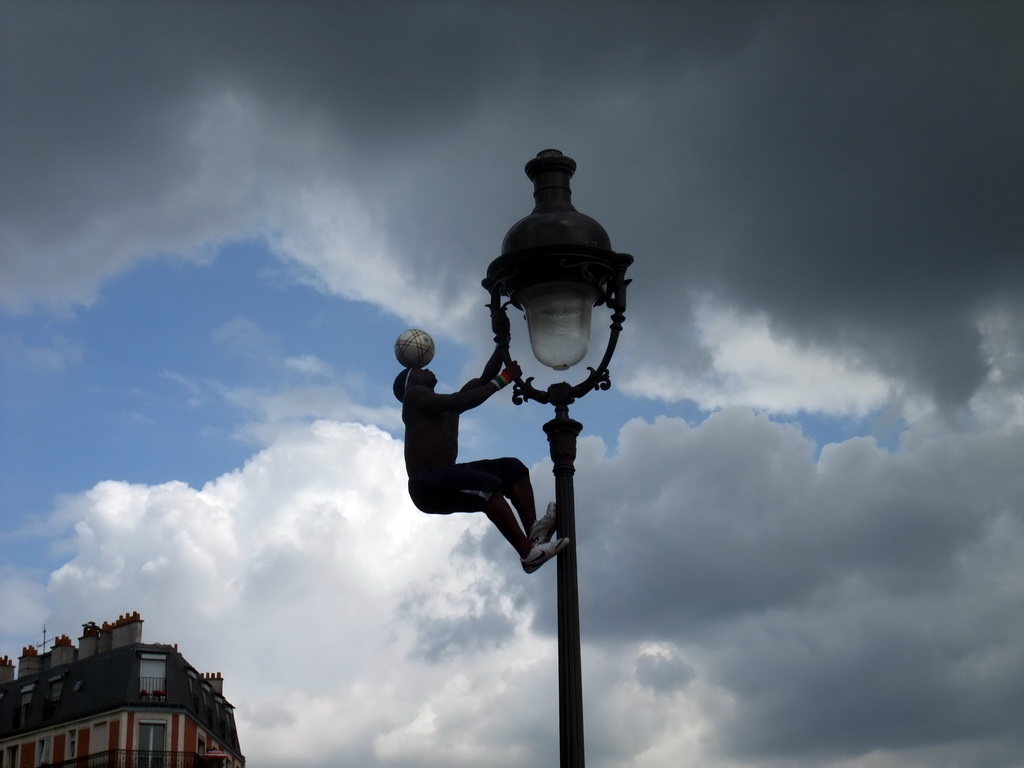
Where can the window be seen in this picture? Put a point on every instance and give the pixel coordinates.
(153, 676)
(43, 752)
(21, 713)
(71, 743)
(192, 690)
(11, 759)
(52, 697)
(152, 743)
(100, 739)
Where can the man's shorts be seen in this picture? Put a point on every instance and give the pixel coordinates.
(462, 487)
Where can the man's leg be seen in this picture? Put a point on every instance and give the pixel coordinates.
(520, 492)
(500, 513)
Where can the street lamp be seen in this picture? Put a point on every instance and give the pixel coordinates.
(556, 265)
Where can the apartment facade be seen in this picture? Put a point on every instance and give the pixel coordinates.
(113, 702)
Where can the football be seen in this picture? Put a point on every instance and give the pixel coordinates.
(414, 348)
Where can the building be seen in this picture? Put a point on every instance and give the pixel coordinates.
(113, 702)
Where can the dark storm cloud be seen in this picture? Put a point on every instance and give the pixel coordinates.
(853, 170)
(840, 688)
(100, 83)
(665, 674)
(745, 546)
(871, 169)
(866, 601)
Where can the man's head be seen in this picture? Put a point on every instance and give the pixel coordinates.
(413, 377)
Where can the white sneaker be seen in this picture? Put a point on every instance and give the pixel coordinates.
(542, 530)
(541, 553)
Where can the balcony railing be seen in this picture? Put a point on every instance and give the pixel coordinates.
(153, 688)
(136, 758)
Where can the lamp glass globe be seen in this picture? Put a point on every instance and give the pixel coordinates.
(558, 315)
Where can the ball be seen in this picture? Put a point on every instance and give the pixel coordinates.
(414, 348)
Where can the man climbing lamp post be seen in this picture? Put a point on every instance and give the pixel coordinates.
(556, 265)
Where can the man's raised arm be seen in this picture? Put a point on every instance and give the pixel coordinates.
(491, 368)
(424, 399)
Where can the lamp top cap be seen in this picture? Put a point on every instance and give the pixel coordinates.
(550, 160)
(555, 222)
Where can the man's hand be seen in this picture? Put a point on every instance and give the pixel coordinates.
(507, 376)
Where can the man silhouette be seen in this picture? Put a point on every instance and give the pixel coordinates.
(439, 485)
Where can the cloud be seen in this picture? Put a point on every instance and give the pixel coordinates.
(823, 201)
(1000, 401)
(801, 164)
(749, 365)
(309, 365)
(275, 411)
(313, 545)
(844, 605)
(282, 393)
(243, 336)
(738, 596)
(663, 670)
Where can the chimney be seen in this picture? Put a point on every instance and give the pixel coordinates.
(215, 680)
(29, 663)
(106, 633)
(63, 652)
(6, 670)
(127, 630)
(89, 642)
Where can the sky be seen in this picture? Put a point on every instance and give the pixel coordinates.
(800, 508)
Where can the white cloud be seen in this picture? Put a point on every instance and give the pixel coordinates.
(307, 553)
(309, 365)
(274, 412)
(305, 388)
(752, 366)
(342, 248)
(727, 578)
(304, 196)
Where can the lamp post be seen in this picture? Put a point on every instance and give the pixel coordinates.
(556, 265)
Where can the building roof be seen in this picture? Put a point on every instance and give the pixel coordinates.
(109, 681)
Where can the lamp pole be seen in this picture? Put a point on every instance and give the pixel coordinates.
(556, 265)
(562, 432)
